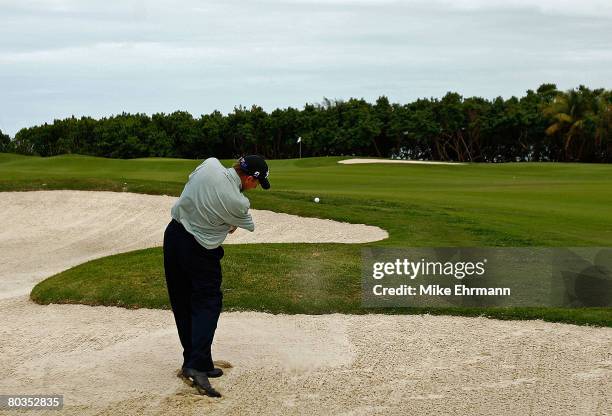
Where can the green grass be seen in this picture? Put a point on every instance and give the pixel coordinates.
(477, 205)
(275, 278)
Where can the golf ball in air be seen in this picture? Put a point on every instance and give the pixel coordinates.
(317, 200)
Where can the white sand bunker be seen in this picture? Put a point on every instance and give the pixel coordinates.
(56, 229)
(276, 227)
(414, 162)
(117, 361)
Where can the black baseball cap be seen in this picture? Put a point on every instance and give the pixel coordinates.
(256, 166)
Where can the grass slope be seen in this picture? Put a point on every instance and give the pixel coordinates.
(523, 204)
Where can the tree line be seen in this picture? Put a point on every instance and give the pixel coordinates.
(543, 125)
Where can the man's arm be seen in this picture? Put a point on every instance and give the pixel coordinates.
(238, 215)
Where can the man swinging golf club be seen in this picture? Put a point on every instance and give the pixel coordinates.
(211, 205)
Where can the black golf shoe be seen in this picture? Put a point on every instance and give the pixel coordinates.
(199, 380)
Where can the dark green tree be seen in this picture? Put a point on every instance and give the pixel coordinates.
(6, 145)
(543, 125)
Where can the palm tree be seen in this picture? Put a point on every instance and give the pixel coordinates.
(575, 115)
(603, 129)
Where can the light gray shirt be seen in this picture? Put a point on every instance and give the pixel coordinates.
(212, 203)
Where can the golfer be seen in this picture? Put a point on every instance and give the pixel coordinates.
(211, 206)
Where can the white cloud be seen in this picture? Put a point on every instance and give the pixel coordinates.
(567, 7)
(59, 58)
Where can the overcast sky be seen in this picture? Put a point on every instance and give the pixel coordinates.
(90, 57)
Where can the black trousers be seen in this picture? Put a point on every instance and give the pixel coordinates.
(193, 277)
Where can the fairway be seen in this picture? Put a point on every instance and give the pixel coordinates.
(505, 205)
(522, 204)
